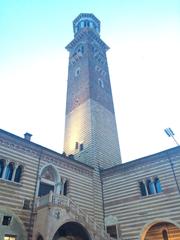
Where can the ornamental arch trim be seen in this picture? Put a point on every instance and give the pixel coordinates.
(54, 169)
(149, 224)
(55, 181)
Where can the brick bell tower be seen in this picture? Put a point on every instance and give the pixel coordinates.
(90, 125)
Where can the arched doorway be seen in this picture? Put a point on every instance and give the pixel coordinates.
(161, 231)
(71, 231)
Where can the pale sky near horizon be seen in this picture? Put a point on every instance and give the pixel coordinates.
(144, 66)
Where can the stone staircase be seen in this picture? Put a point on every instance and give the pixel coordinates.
(63, 202)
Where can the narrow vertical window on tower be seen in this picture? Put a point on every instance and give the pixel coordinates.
(101, 82)
(76, 145)
(81, 147)
(77, 72)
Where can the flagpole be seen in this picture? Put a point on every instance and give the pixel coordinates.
(170, 133)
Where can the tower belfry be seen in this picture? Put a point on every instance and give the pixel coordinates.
(90, 127)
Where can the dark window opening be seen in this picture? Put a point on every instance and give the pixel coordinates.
(18, 173)
(142, 189)
(6, 220)
(44, 189)
(112, 231)
(165, 235)
(65, 188)
(81, 147)
(76, 145)
(26, 204)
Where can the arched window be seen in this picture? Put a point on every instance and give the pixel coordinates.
(142, 188)
(150, 186)
(101, 82)
(9, 171)
(18, 174)
(77, 72)
(165, 235)
(1, 167)
(157, 185)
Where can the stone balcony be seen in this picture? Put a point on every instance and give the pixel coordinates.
(56, 210)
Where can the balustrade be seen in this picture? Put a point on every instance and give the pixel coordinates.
(53, 199)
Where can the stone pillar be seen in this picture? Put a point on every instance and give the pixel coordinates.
(5, 169)
(14, 171)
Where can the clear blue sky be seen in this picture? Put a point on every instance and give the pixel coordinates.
(144, 62)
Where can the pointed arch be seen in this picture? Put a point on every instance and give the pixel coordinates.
(9, 171)
(150, 186)
(157, 185)
(17, 177)
(49, 180)
(54, 169)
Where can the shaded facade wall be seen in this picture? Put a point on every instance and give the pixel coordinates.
(18, 150)
(123, 199)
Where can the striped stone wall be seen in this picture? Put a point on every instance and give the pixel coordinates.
(95, 127)
(28, 154)
(123, 199)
